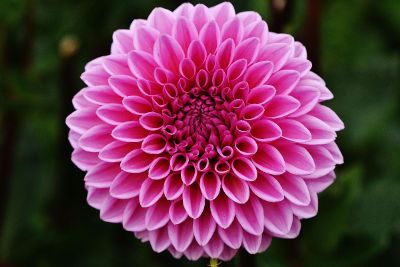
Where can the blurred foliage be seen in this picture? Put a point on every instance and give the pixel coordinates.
(45, 220)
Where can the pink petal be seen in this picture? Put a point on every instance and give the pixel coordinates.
(203, 228)
(194, 251)
(101, 95)
(250, 215)
(235, 188)
(150, 192)
(251, 242)
(168, 53)
(177, 212)
(324, 162)
(308, 211)
(297, 159)
(258, 73)
(124, 85)
(96, 138)
(96, 196)
(185, 9)
(260, 94)
(187, 68)
(232, 235)
(151, 121)
(277, 53)
(144, 38)
(281, 106)
(159, 168)
(335, 152)
(184, 32)
(159, 239)
(162, 19)
(300, 65)
(244, 169)
(236, 70)
(193, 201)
(200, 16)
(248, 50)
(197, 53)
(136, 161)
(269, 160)
(232, 29)
(127, 185)
(295, 189)
(179, 161)
(157, 215)
(189, 174)
(129, 132)
(84, 160)
(293, 130)
(321, 132)
(265, 131)
(154, 144)
(225, 53)
(95, 76)
(278, 217)
(308, 98)
(123, 41)
(222, 12)
(258, 29)
(116, 64)
(137, 105)
(222, 210)
(320, 184)
(102, 175)
(114, 114)
(246, 145)
(284, 81)
(328, 116)
(82, 120)
(134, 215)
(252, 112)
(173, 186)
(141, 64)
(210, 36)
(112, 210)
(222, 167)
(181, 235)
(215, 247)
(267, 188)
(210, 185)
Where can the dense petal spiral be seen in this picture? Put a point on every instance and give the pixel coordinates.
(203, 132)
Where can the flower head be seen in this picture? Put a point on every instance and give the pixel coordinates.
(203, 132)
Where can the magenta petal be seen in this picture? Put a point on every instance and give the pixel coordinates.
(222, 210)
(281, 106)
(248, 50)
(297, 159)
(210, 36)
(236, 70)
(235, 188)
(127, 185)
(116, 151)
(232, 29)
(101, 95)
(82, 120)
(278, 217)
(177, 212)
(144, 38)
(269, 160)
(308, 211)
(267, 188)
(173, 186)
(96, 196)
(114, 114)
(246, 145)
(189, 174)
(284, 81)
(194, 251)
(150, 192)
(197, 53)
(210, 185)
(142, 64)
(124, 85)
(251, 242)
(320, 184)
(260, 94)
(328, 116)
(251, 216)
(151, 121)
(232, 235)
(193, 201)
(184, 32)
(157, 215)
(179, 161)
(320, 131)
(159, 239)
(116, 64)
(181, 235)
(203, 228)
(252, 112)
(84, 160)
(244, 169)
(225, 53)
(154, 144)
(307, 96)
(215, 247)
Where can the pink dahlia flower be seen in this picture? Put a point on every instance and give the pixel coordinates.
(203, 132)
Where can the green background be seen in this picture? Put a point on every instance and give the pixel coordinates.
(44, 218)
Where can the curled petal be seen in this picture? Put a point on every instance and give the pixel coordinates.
(154, 144)
(246, 145)
(235, 188)
(189, 174)
(150, 192)
(173, 186)
(244, 169)
(159, 168)
(210, 185)
(151, 121)
(252, 112)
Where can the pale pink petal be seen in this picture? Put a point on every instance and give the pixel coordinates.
(102, 175)
(123, 41)
(278, 217)
(181, 235)
(204, 227)
(277, 53)
(96, 138)
(177, 212)
(200, 16)
(215, 247)
(295, 189)
(284, 81)
(260, 94)
(161, 19)
(137, 105)
(251, 242)
(144, 38)
(248, 50)
(159, 239)
(112, 210)
(308, 211)
(134, 216)
(281, 106)
(328, 116)
(308, 98)
(320, 184)
(232, 29)
(184, 31)
(96, 196)
(294, 131)
(114, 114)
(258, 73)
(101, 95)
(129, 132)
(124, 85)
(321, 132)
(297, 159)
(210, 36)
(222, 12)
(157, 215)
(168, 53)
(84, 160)
(137, 161)
(82, 120)
(232, 235)
(142, 64)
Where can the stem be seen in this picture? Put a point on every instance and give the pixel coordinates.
(214, 263)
